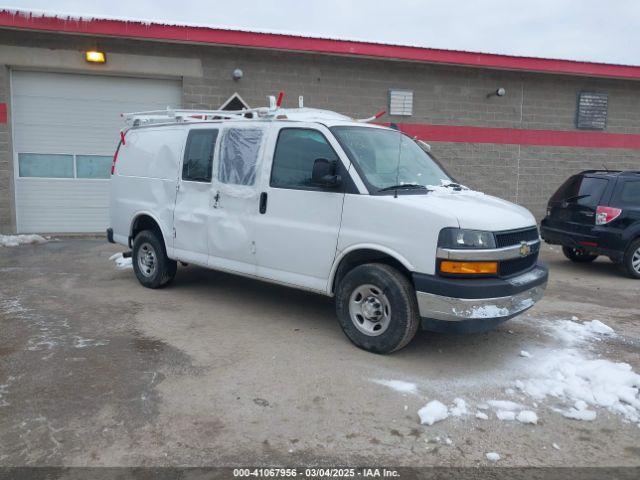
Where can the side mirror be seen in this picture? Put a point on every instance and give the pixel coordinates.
(324, 173)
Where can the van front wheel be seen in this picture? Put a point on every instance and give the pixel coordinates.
(377, 308)
(150, 262)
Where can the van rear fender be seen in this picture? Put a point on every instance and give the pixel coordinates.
(147, 221)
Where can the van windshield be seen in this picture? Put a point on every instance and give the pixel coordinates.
(388, 158)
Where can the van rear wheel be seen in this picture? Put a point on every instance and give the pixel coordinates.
(377, 308)
(150, 262)
(578, 255)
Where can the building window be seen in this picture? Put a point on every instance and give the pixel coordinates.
(234, 103)
(401, 102)
(592, 111)
(45, 165)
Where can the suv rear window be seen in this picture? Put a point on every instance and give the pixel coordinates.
(629, 195)
(580, 190)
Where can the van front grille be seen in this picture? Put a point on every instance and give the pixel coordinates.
(516, 237)
(515, 266)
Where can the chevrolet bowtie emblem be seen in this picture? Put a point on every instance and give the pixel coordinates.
(525, 249)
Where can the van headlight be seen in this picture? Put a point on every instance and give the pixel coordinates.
(463, 239)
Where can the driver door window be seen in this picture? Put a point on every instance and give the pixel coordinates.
(296, 151)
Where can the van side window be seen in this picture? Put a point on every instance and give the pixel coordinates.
(198, 156)
(296, 151)
(239, 156)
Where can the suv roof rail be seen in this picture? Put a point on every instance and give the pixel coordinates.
(272, 112)
(602, 170)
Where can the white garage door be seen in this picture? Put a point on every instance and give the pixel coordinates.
(66, 128)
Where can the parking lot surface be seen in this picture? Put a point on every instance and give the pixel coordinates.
(221, 370)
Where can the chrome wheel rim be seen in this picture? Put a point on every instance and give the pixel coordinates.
(147, 259)
(370, 310)
(635, 260)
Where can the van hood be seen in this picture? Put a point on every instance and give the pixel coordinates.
(472, 210)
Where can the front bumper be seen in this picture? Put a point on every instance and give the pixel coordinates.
(473, 305)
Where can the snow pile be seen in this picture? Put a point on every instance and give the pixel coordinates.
(121, 262)
(459, 408)
(573, 333)
(527, 416)
(580, 412)
(524, 353)
(506, 415)
(16, 240)
(433, 412)
(569, 376)
(398, 385)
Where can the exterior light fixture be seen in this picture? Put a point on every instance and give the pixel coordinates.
(237, 74)
(93, 56)
(500, 92)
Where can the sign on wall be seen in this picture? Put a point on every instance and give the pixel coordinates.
(592, 111)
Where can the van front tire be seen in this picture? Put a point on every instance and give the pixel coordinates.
(150, 262)
(377, 308)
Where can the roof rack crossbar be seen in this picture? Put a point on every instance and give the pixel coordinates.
(184, 115)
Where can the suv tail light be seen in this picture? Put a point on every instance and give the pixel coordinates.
(605, 215)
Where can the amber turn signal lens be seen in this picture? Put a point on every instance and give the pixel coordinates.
(469, 268)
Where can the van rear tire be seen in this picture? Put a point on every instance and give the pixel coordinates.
(150, 262)
(377, 308)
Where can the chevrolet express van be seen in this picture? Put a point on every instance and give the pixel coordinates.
(315, 200)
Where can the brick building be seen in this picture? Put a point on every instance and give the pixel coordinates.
(59, 122)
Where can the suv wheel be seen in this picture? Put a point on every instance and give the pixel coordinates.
(377, 308)
(150, 262)
(578, 255)
(632, 259)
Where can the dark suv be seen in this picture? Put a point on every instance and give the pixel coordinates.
(597, 213)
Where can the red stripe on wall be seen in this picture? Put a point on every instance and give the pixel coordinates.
(3, 113)
(131, 29)
(514, 136)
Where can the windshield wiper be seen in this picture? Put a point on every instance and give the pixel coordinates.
(405, 186)
(455, 186)
(575, 198)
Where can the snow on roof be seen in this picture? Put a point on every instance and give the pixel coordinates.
(122, 26)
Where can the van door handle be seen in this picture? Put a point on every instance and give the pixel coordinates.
(263, 202)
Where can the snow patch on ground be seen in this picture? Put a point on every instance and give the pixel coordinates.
(524, 353)
(4, 390)
(433, 412)
(17, 240)
(398, 385)
(527, 416)
(506, 415)
(482, 416)
(121, 262)
(492, 457)
(573, 333)
(459, 408)
(569, 376)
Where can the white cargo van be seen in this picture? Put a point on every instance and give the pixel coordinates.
(318, 201)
